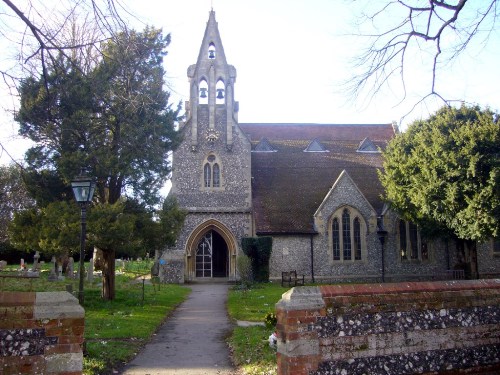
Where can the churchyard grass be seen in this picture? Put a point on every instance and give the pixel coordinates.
(114, 330)
(250, 345)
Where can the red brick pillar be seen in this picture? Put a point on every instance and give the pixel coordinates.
(42, 333)
(298, 344)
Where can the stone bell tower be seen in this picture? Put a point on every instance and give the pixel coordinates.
(211, 82)
(211, 169)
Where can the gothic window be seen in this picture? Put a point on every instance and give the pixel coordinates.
(411, 244)
(216, 175)
(348, 231)
(357, 239)
(203, 95)
(211, 51)
(212, 177)
(346, 234)
(336, 239)
(207, 175)
(220, 92)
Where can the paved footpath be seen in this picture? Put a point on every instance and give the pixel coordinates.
(192, 340)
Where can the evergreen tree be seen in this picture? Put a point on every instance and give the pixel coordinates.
(443, 173)
(115, 122)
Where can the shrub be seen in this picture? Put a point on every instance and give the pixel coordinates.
(244, 266)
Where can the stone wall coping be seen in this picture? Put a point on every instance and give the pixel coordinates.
(57, 305)
(17, 298)
(407, 287)
(302, 298)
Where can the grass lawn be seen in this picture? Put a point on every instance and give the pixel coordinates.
(114, 330)
(250, 345)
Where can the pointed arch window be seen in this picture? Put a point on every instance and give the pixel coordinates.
(348, 235)
(357, 238)
(220, 90)
(203, 94)
(336, 239)
(212, 174)
(211, 51)
(207, 174)
(412, 246)
(216, 175)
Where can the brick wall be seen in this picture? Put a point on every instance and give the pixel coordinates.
(448, 327)
(41, 333)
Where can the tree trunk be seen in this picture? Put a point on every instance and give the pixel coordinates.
(108, 275)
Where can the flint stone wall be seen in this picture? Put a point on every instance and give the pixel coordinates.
(41, 333)
(172, 267)
(404, 328)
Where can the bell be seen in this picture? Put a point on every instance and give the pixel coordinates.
(203, 92)
(211, 54)
(220, 93)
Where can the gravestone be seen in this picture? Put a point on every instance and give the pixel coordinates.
(60, 275)
(36, 265)
(90, 271)
(53, 274)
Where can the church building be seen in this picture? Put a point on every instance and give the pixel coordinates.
(313, 188)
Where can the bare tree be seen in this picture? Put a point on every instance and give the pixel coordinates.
(399, 31)
(35, 33)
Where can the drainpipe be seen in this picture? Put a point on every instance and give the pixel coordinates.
(312, 258)
(382, 233)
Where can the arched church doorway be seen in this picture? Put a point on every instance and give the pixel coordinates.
(212, 259)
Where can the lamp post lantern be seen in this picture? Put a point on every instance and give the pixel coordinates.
(83, 188)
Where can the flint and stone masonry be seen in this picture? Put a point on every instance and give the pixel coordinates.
(450, 327)
(41, 333)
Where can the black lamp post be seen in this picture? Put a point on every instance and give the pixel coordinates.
(382, 234)
(83, 188)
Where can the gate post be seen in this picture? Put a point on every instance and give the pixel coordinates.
(298, 345)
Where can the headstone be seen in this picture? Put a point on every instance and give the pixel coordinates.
(90, 271)
(70, 268)
(53, 275)
(36, 258)
(3, 264)
(23, 266)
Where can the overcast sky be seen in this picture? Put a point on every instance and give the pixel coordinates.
(291, 57)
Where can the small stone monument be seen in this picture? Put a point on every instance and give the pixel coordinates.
(53, 275)
(90, 271)
(36, 265)
(23, 266)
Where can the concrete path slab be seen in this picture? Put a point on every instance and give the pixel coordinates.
(192, 340)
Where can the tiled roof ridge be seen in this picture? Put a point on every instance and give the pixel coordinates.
(310, 124)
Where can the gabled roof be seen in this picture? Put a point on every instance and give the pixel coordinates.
(290, 184)
(315, 146)
(343, 177)
(366, 145)
(263, 146)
